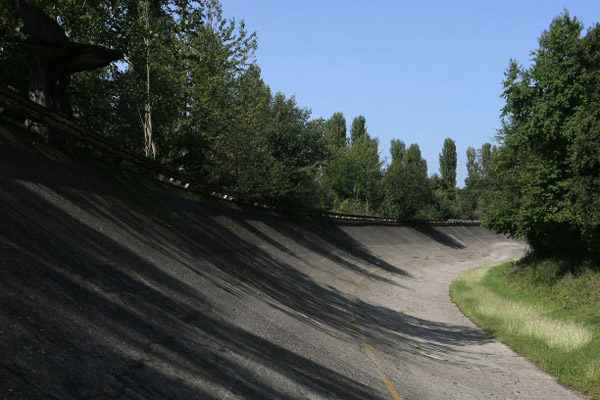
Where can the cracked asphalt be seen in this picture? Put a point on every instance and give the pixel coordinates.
(116, 291)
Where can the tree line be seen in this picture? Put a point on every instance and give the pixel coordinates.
(189, 93)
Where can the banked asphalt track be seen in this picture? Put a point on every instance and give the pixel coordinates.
(185, 298)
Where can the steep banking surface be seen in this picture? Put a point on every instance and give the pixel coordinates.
(190, 298)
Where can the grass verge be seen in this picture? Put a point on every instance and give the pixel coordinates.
(543, 313)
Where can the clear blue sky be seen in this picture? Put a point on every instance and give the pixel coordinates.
(417, 71)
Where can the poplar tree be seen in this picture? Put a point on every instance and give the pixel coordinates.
(335, 132)
(473, 167)
(397, 150)
(448, 163)
(359, 128)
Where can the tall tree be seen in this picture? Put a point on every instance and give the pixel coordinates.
(548, 118)
(448, 163)
(359, 128)
(244, 154)
(217, 52)
(297, 151)
(354, 174)
(397, 150)
(484, 156)
(584, 157)
(470, 198)
(413, 157)
(335, 132)
(473, 167)
(149, 145)
(406, 187)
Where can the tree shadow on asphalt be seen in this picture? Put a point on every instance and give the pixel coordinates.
(439, 236)
(92, 295)
(98, 304)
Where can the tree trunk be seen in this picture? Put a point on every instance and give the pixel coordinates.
(149, 145)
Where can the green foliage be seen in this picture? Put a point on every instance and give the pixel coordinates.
(470, 201)
(355, 173)
(335, 132)
(441, 204)
(448, 163)
(352, 206)
(214, 117)
(13, 58)
(359, 128)
(584, 158)
(406, 187)
(545, 171)
(397, 150)
(485, 155)
(240, 158)
(473, 168)
(296, 150)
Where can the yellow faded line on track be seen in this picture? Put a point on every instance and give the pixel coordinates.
(367, 348)
(384, 378)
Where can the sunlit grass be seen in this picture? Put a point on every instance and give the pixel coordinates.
(520, 318)
(534, 321)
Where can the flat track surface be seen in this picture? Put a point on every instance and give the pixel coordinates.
(195, 299)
